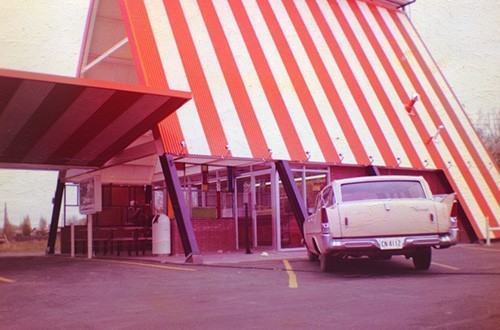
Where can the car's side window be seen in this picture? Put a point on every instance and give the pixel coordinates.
(318, 203)
(359, 191)
(332, 199)
(327, 197)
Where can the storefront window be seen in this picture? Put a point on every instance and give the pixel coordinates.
(290, 235)
(208, 201)
(71, 208)
(125, 205)
(159, 201)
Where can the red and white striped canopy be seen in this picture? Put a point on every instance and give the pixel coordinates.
(327, 80)
(52, 122)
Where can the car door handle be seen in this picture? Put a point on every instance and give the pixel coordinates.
(346, 221)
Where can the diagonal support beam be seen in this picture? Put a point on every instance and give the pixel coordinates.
(56, 211)
(181, 213)
(292, 192)
(372, 170)
(110, 51)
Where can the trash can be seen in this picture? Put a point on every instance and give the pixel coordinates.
(161, 234)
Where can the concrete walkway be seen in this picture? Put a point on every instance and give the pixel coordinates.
(214, 258)
(225, 257)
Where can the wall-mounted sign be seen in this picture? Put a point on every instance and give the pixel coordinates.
(90, 195)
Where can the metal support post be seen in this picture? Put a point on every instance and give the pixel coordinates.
(72, 235)
(292, 192)
(181, 213)
(373, 170)
(90, 248)
(247, 231)
(54, 223)
(487, 225)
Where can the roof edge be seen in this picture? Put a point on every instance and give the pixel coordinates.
(93, 83)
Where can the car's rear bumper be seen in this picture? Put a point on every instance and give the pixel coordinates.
(328, 244)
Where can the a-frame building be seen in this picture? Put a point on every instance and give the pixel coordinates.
(337, 88)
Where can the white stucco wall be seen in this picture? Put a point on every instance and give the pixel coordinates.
(45, 36)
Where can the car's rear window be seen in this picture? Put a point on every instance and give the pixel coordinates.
(381, 190)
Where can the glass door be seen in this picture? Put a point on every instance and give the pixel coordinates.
(290, 236)
(254, 210)
(263, 214)
(244, 212)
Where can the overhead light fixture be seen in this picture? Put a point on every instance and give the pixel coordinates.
(410, 106)
(183, 147)
(270, 154)
(435, 136)
(308, 155)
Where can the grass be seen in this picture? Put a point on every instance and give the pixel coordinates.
(25, 246)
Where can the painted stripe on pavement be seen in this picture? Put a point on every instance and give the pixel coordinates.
(482, 248)
(6, 280)
(145, 264)
(445, 266)
(292, 278)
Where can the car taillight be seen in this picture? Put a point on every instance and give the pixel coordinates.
(453, 222)
(325, 226)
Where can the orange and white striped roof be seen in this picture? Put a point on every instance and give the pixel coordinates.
(327, 80)
(54, 122)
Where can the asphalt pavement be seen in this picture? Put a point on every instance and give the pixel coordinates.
(262, 290)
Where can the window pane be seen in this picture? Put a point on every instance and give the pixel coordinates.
(381, 190)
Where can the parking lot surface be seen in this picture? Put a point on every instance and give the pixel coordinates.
(259, 291)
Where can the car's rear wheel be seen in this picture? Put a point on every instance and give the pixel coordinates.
(422, 258)
(329, 263)
(312, 256)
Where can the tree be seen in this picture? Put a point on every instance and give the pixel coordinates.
(42, 226)
(488, 129)
(26, 226)
(8, 229)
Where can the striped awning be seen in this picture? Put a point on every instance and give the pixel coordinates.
(51, 122)
(329, 81)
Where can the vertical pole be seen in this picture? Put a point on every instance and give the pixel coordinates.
(247, 230)
(488, 240)
(89, 237)
(252, 201)
(72, 234)
(56, 210)
(275, 209)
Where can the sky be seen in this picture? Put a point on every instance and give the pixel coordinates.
(40, 36)
(463, 36)
(46, 36)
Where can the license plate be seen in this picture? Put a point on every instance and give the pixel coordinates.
(393, 243)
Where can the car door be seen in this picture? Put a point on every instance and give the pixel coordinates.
(312, 226)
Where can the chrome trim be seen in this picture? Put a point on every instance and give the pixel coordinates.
(328, 244)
